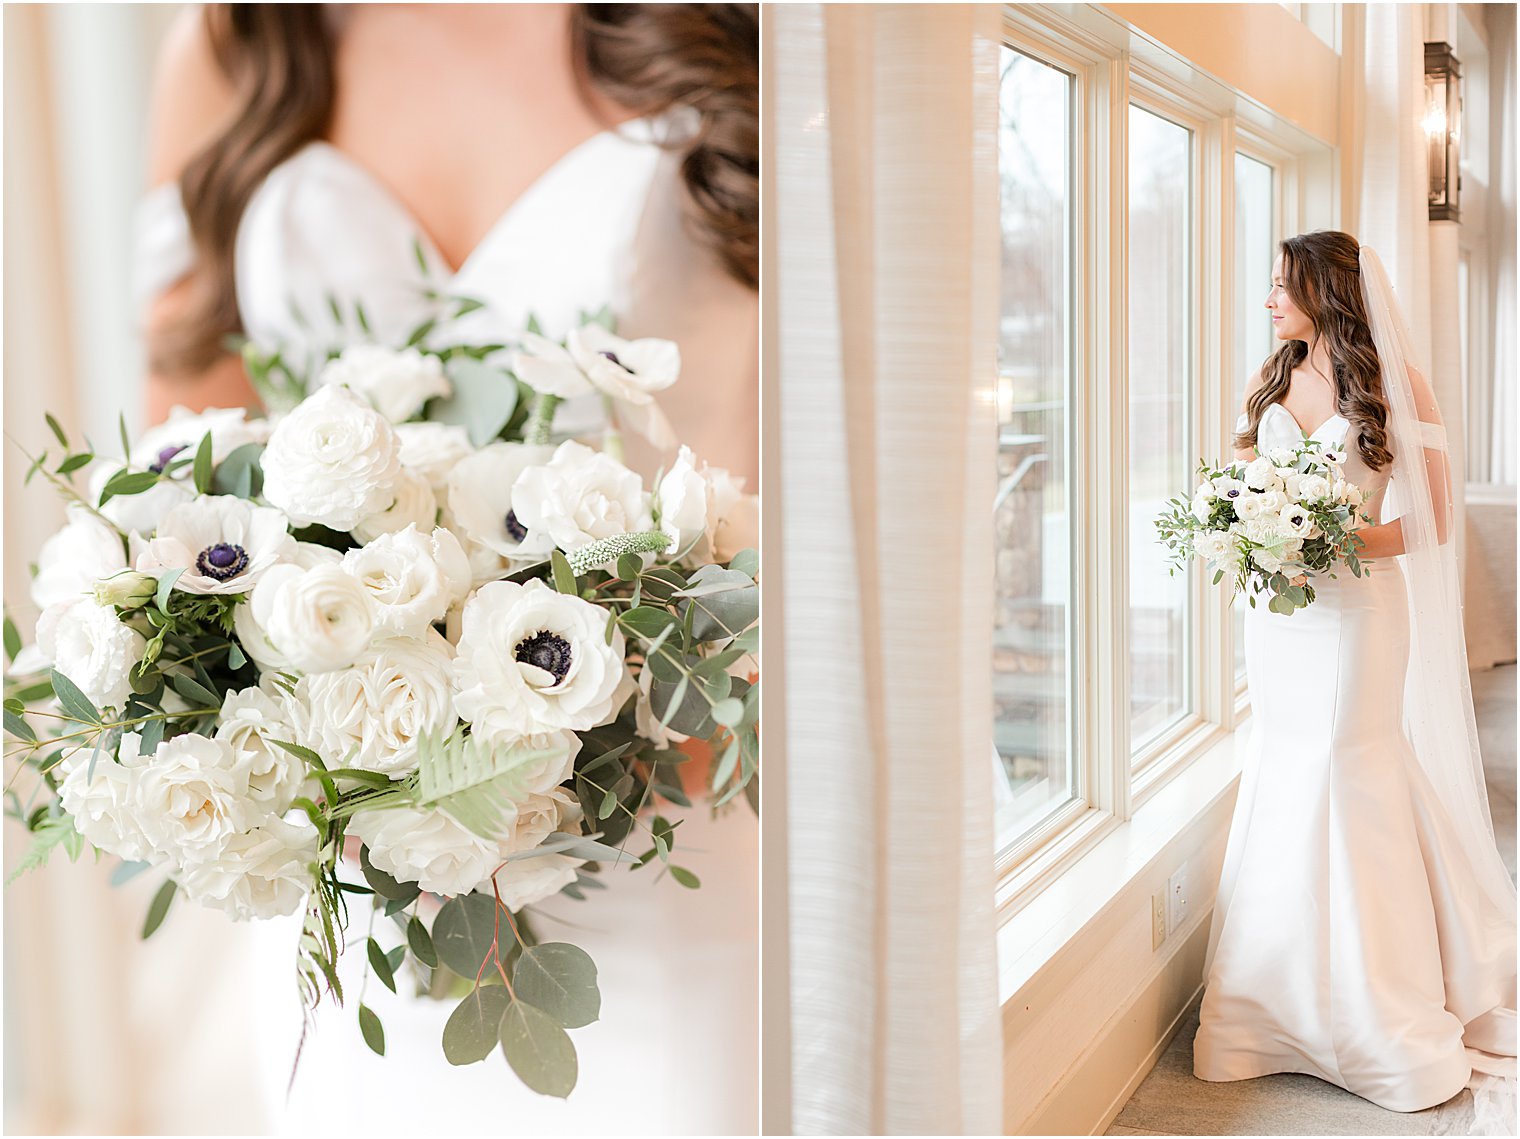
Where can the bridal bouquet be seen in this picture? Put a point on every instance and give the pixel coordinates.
(400, 648)
(1287, 513)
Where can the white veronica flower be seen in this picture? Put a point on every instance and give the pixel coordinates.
(250, 721)
(257, 874)
(1296, 520)
(480, 492)
(432, 449)
(192, 795)
(90, 645)
(410, 577)
(1260, 474)
(532, 660)
(101, 806)
(371, 715)
(224, 544)
(333, 460)
(579, 497)
(75, 558)
(413, 504)
(397, 381)
(313, 620)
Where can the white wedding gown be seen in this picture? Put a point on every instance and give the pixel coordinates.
(1350, 939)
(676, 1048)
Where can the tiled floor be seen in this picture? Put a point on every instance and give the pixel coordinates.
(1172, 1102)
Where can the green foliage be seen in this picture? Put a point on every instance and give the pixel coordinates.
(483, 401)
(538, 1050)
(53, 831)
(465, 934)
(474, 1027)
(560, 979)
(372, 1030)
(475, 781)
(158, 909)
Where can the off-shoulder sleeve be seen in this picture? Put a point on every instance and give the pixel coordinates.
(1432, 436)
(1242, 423)
(163, 251)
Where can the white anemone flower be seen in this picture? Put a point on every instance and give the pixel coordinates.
(222, 543)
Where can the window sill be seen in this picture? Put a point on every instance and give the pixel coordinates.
(1035, 934)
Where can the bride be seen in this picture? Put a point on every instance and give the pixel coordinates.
(1365, 925)
(547, 160)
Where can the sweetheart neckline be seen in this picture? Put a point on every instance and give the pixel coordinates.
(636, 131)
(1309, 434)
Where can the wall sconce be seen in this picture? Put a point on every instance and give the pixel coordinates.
(1443, 125)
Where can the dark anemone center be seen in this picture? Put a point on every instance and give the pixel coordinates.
(222, 562)
(546, 650)
(163, 458)
(515, 529)
(613, 357)
(1233, 492)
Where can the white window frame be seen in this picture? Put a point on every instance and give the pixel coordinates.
(1095, 49)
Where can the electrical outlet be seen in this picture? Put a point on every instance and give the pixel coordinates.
(1177, 899)
(1158, 920)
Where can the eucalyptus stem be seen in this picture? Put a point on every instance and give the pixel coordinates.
(67, 489)
(541, 419)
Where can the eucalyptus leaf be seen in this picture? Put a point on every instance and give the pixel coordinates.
(564, 576)
(241, 473)
(158, 909)
(74, 702)
(746, 562)
(474, 1027)
(18, 727)
(12, 639)
(538, 1049)
(126, 482)
(127, 871)
(381, 964)
(372, 1030)
(483, 400)
(421, 943)
(201, 473)
(465, 934)
(560, 979)
(720, 613)
(685, 877)
(382, 883)
(165, 587)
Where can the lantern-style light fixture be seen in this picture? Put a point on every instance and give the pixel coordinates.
(1443, 129)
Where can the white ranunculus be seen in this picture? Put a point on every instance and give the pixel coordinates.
(630, 371)
(427, 846)
(333, 460)
(101, 806)
(480, 496)
(1281, 456)
(192, 795)
(411, 578)
(1260, 474)
(1272, 501)
(258, 874)
(1213, 545)
(315, 620)
(733, 516)
(683, 502)
(1202, 507)
(90, 645)
(1296, 521)
(532, 660)
(580, 496)
(371, 715)
(1249, 507)
(397, 381)
(413, 504)
(223, 544)
(1313, 488)
(248, 617)
(179, 436)
(75, 558)
(251, 720)
(432, 449)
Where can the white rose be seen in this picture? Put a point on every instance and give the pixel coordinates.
(432, 449)
(192, 795)
(533, 660)
(90, 645)
(75, 558)
(222, 543)
(734, 517)
(1351, 495)
(413, 504)
(1282, 456)
(259, 874)
(411, 578)
(250, 721)
(1267, 560)
(315, 620)
(370, 716)
(427, 846)
(1313, 488)
(333, 460)
(1213, 546)
(1260, 474)
(580, 496)
(1272, 501)
(396, 381)
(524, 881)
(683, 502)
(480, 492)
(1296, 521)
(101, 806)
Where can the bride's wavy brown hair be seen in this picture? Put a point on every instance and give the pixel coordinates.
(645, 57)
(1323, 276)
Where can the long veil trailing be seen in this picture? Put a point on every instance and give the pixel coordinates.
(1438, 709)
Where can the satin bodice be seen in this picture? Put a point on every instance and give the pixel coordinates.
(1278, 428)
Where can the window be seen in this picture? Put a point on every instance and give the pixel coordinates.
(1162, 310)
(1255, 248)
(1031, 638)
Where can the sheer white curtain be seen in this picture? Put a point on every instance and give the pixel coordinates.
(882, 145)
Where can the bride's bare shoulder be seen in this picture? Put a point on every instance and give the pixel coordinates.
(192, 97)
